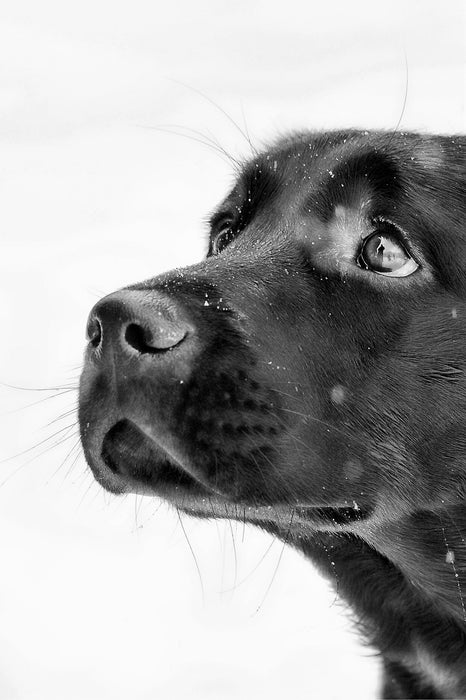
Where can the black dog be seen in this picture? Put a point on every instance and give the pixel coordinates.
(309, 377)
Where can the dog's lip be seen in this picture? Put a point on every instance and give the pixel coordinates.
(173, 474)
(341, 514)
(186, 489)
(289, 517)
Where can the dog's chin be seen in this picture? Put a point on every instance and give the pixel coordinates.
(131, 461)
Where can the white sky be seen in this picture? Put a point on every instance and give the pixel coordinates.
(100, 598)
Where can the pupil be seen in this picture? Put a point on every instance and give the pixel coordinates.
(380, 249)
(385, 254)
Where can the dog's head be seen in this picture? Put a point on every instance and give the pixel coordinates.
(314, 363)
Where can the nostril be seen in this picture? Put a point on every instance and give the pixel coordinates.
(138, 338)
(94, 332)
(146, 341)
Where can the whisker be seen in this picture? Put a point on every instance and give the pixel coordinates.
(38, 444)
(405, 100)
(319, 421)
(206, 137)
(223, 154)
(137, 508)
(248, 576)
(254, 150)
(455, 525)
(64, 388)
(285, 540)
(36, 403)
(76, 447)
(451, 560)
(217, 106)
(68, 455)
(62, 416)
(290, 396)
(234, 550)
(193, 555)
(224, 549)
(91, 485)
(29, 461)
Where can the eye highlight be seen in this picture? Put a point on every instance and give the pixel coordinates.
(384, 253)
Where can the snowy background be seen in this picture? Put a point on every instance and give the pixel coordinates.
(100, 598)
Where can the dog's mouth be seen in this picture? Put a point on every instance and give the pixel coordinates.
(335, 515)
(135, 458)
(144, 466)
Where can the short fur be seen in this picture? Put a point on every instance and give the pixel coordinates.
(284, 382)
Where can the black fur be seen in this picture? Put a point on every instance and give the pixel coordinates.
(285, 382)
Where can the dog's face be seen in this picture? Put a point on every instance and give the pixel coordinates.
(311, 369)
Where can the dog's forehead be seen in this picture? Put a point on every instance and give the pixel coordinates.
(334, 184)
(295, 160)
(317, 172)
(306, 164)
(314, 175)
(311, 150)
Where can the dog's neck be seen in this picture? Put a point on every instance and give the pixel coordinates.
(406, 593)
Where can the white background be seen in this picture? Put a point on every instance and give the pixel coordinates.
(100, 597)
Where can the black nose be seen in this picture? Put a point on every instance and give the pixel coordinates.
(136, 322)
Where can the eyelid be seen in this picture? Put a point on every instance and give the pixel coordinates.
(219, 221)
(375, 220)
(224, 225)
(407, 273)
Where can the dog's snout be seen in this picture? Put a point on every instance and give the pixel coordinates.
(136, 322)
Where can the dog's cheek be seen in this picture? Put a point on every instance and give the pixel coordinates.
(319, 348)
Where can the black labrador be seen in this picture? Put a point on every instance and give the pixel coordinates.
(309, 377)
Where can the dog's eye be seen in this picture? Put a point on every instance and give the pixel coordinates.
(222, 237)
(384, 253)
